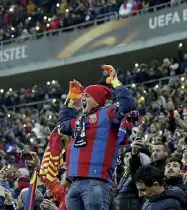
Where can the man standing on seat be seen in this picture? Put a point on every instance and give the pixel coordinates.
(93, 149)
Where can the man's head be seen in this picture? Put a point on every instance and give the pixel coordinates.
(95, 96)
(126, 159)
(162, 119)
(159, 152)
(149, 181)
(173, 167)
(153, 128)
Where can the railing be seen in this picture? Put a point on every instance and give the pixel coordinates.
(150, 84)
(101, 18)
(29, 104)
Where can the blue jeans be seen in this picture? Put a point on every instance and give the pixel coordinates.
(88, 194)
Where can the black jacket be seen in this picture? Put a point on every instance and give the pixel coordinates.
(160, 164)
(173, 198)
(127, 197)
(177, 182)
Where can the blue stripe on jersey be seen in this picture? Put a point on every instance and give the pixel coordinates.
(73, 160)
(99, 148)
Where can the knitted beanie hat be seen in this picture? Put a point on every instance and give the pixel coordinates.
(99, 93)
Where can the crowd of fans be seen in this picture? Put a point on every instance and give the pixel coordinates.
(21, 18)
(162, 143)
(159, 144)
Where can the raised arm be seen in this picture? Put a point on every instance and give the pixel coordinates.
(67, 114)
(124, 99)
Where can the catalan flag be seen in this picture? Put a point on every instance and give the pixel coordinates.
(29, 205)
(51, 163)
(53, 159)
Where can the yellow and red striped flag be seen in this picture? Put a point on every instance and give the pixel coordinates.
(53, 158)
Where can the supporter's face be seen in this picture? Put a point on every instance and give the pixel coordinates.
(88, 103)
(145, 191)
(126, 159)
(172, 169)
(158, 152)
(162, 120)
(153, 129)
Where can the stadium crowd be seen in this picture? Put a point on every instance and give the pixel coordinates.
(22, 18)
(160, 142)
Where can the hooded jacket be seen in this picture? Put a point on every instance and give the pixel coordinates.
(173, 198)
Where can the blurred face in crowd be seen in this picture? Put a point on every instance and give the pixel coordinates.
(146, 191)
(126, 159)
(153, 128)
(88, 103)
(172, 169)
(158, 153)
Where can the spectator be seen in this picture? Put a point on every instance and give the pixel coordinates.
(183, 61)
(91, 102)
(173, 173)
(31, 7)
(127, 194)
(126, 8)
(159, 155)
(63, 7)
(55, 23)
(150, 184)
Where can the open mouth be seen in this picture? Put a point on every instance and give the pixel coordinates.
(154, 157)
(171, 172)
(84, 104)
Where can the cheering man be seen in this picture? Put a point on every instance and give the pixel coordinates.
(93, 149)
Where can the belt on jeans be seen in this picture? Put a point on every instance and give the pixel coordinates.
(79, 178)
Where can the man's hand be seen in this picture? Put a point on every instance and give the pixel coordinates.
(48, 205)
(3, 173)
(75, 90)
(112, 79)
(136, 146)
(111, 71)
(35, 161)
